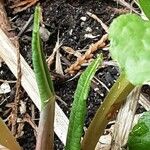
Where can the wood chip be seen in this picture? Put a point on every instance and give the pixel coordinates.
(58, 66)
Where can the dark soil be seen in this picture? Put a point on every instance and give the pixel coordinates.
(63, 16)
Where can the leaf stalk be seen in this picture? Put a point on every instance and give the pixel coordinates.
(107, 110)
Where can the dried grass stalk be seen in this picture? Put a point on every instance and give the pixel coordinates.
(89, 54)
(125, 119)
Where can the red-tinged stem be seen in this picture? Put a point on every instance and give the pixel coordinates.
(45, 138)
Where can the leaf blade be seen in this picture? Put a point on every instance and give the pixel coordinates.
(130, 45)
(145, 6)
(78, 112)
(43, 78)
(139, 137)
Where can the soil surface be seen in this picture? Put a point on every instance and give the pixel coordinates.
(76, 30)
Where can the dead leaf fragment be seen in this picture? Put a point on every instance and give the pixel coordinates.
(4, 88)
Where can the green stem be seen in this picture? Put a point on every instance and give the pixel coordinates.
(111, 104)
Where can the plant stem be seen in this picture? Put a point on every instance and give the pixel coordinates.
(111, 104)
(45, 138)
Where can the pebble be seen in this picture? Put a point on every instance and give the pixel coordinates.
(44, 34)
(70, 32)
(82, 24)
(90, 36)
(83, 18)
(88, 29)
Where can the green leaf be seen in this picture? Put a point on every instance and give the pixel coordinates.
(43, 78)
(139, 138)
(78, 112)
(145, 6)
(130, 45)
(45, 137)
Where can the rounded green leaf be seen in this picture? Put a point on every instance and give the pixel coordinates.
(130, 45)
(139, 138)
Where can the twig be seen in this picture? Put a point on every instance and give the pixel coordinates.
(104, 26)
(119, 10)
(20, 128)
(89, 53)
(24, 28)
(57, 46)
(103, 84)
(63, 102)
(124, 3)
(75, 76)
(17, 95)
(27, 118)
(6, 81)
(65, 60)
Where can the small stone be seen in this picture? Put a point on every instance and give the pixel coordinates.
(4, 88)
(83, 18)
(70, 32)
(82, 24)
(88, 29)
(90, 36)
(22, 107)
(44, 34)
